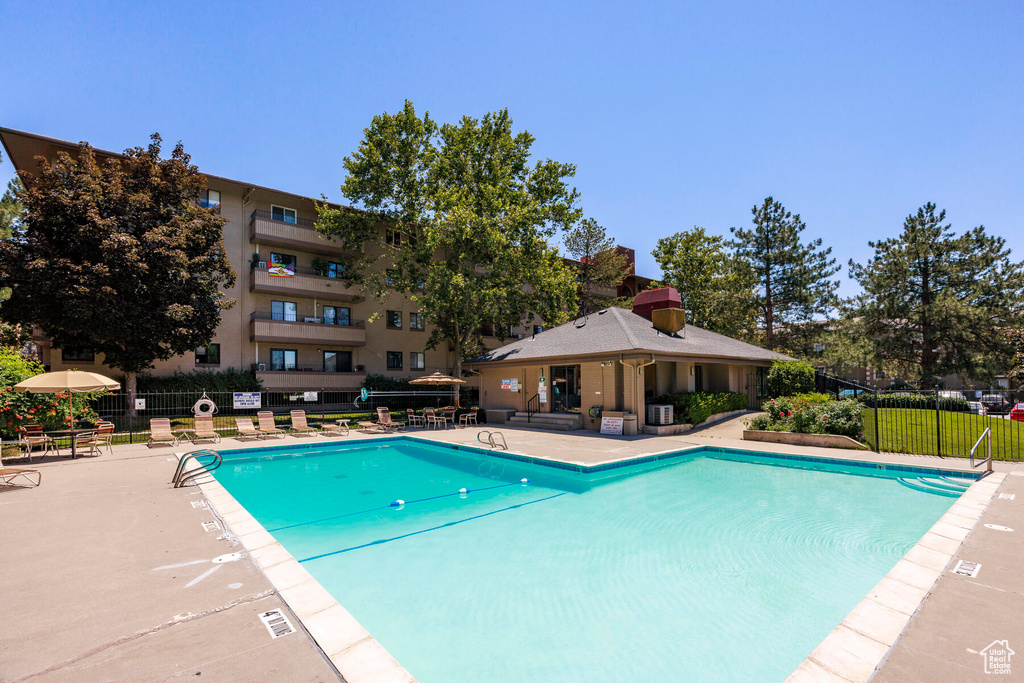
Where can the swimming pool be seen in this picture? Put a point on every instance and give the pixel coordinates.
(707, 565)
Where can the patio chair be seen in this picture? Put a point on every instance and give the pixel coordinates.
(96, 440)
(30, 436)
(433, 419)
(368, 427)
(267, 426)
(469, 418)
(299, 423)
(10, 475)
(160, 432)
(449, 414)
(413, 419)
(246, 428)
(385, 421)
(204, 430)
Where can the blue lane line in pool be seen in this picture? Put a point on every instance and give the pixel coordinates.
(434, 528)
(388, 507)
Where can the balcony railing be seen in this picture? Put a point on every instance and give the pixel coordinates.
(307, 319)
(268, 216)
(270, 367)
(305, 282)
(304, 270)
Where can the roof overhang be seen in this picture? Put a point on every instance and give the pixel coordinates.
(625, 355)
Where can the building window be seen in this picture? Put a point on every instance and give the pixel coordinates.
(336, 315)
(394, 319)
(537, 329)
(283, 359)
(210, 199)
(335, 269)
(417, 360)
(394, 360)
(208, 355)
(416, 321)
(283, 310)
(337, 361)
(392, 238)
(77, 354)
(280, 213)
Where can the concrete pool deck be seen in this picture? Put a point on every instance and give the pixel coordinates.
(107, 573)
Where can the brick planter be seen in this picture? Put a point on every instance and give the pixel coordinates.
(819, 440)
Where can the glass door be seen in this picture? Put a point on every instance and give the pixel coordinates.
(283, 310)
(565, 389)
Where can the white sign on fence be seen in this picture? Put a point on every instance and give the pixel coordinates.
(309, 396)
(140, 404)
(246, 399)
(611, 425)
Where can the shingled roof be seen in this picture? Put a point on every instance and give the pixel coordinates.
(617, 330)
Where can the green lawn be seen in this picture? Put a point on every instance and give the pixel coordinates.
(906, 430)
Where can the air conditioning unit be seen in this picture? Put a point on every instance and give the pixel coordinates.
(261, 367)
(659, 414)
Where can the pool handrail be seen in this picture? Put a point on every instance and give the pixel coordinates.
(181, 476)
(985, 434)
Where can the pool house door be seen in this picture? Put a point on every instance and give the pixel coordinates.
(565, 389)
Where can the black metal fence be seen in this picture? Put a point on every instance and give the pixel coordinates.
(936, 421)
(320, 406)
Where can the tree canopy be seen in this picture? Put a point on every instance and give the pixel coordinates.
(118, 257)
(794, 278)
(458, 217)
(716, 288)
(599, 267)
(935, 303)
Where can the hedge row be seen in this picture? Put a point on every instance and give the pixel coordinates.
(916, 401)
(696, 407)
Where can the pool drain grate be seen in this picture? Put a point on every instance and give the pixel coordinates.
(965, 568)
(277, 623)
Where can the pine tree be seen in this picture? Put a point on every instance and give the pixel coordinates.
(599, 266)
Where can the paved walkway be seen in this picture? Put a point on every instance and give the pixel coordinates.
(109, 576)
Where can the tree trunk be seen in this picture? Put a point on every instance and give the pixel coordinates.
(457, 374)
(129, 388)
(769, 312)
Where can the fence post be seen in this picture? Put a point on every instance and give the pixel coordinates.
(878, 435)
(938, 425)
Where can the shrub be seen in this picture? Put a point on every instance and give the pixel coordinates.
(19, 408)
(789, 377)
(696, 407)
(804, 415)
(815, 397)
(915, 401)
(228, 380)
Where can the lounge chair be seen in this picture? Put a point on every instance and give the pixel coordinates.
(371, 427)
(267, 426)
(385, 421)
(299, 423)
(9, 475)
(31, 436)
(433, 418)
(468, 418)
(204, 430)
(96, 440)
(413, 419)
(160, 432)
(337, 428)
(246, 428)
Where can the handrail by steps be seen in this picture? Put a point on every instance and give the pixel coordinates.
(985, 434)
(532, 407)
(490, 439)
(181, 476)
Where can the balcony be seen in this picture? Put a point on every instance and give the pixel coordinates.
(267, 327)
(305, 282)
(300, 235)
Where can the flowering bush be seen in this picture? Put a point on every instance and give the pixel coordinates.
(810, 415)
(18, 408)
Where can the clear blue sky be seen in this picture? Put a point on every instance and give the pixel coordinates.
(680, 113)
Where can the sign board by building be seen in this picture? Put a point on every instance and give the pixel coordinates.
(510, 385)
(542, 392)
(246, 399)
(140, 404)
(611, 425)
(309, 396)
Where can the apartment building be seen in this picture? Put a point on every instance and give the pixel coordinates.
(298, 322)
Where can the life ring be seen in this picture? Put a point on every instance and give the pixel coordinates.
(204, 406)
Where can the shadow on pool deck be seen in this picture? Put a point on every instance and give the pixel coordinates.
(86, 598)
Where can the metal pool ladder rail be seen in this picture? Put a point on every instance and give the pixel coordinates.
(490, 439)
(987, 434)
(182, 476)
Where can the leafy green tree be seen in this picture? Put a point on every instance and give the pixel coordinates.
(790, 377)
(794, 279)
(11, 212)
(599, 266)
(1014, 336)
(935, 303)
(717, 289)
(118, 257)
(457, 218)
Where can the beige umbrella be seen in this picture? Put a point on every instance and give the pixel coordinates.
(437, 379)
(69, 381)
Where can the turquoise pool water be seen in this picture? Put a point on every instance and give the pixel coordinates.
(711, 566)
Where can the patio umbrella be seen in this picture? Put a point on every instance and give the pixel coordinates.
(438, 379)
(69, 381)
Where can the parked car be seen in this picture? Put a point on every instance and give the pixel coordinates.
(1017, 412)
(977, 407)
(951, 394)
(995, 404)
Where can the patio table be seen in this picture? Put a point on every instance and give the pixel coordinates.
(68, 433)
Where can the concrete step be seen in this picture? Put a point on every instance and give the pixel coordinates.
(554, 421)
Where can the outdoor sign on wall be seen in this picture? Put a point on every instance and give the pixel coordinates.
(309, 395)
(140, 404)
(246, 399)
(510, 385)
(611, 425)
(542, 392)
